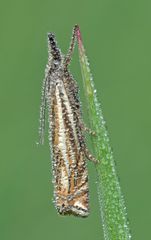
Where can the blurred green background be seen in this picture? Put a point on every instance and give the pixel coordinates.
(117, 37)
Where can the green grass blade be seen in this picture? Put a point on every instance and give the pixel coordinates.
(112, 206)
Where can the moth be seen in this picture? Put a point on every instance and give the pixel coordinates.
(66, 132)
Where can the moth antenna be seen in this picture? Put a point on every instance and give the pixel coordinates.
(42, 118)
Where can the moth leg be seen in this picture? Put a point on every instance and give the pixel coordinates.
(89, 156)
(85, 128)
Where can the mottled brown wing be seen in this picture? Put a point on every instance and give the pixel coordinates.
(69, 165)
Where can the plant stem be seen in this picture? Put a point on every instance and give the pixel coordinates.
(112, 206)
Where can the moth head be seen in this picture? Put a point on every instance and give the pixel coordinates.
(55, 56)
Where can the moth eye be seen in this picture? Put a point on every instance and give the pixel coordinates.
(56, 63)
(52, 43)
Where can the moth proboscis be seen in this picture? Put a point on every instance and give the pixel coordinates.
(66, 132)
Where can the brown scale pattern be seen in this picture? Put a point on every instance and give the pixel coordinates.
(77, 191)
